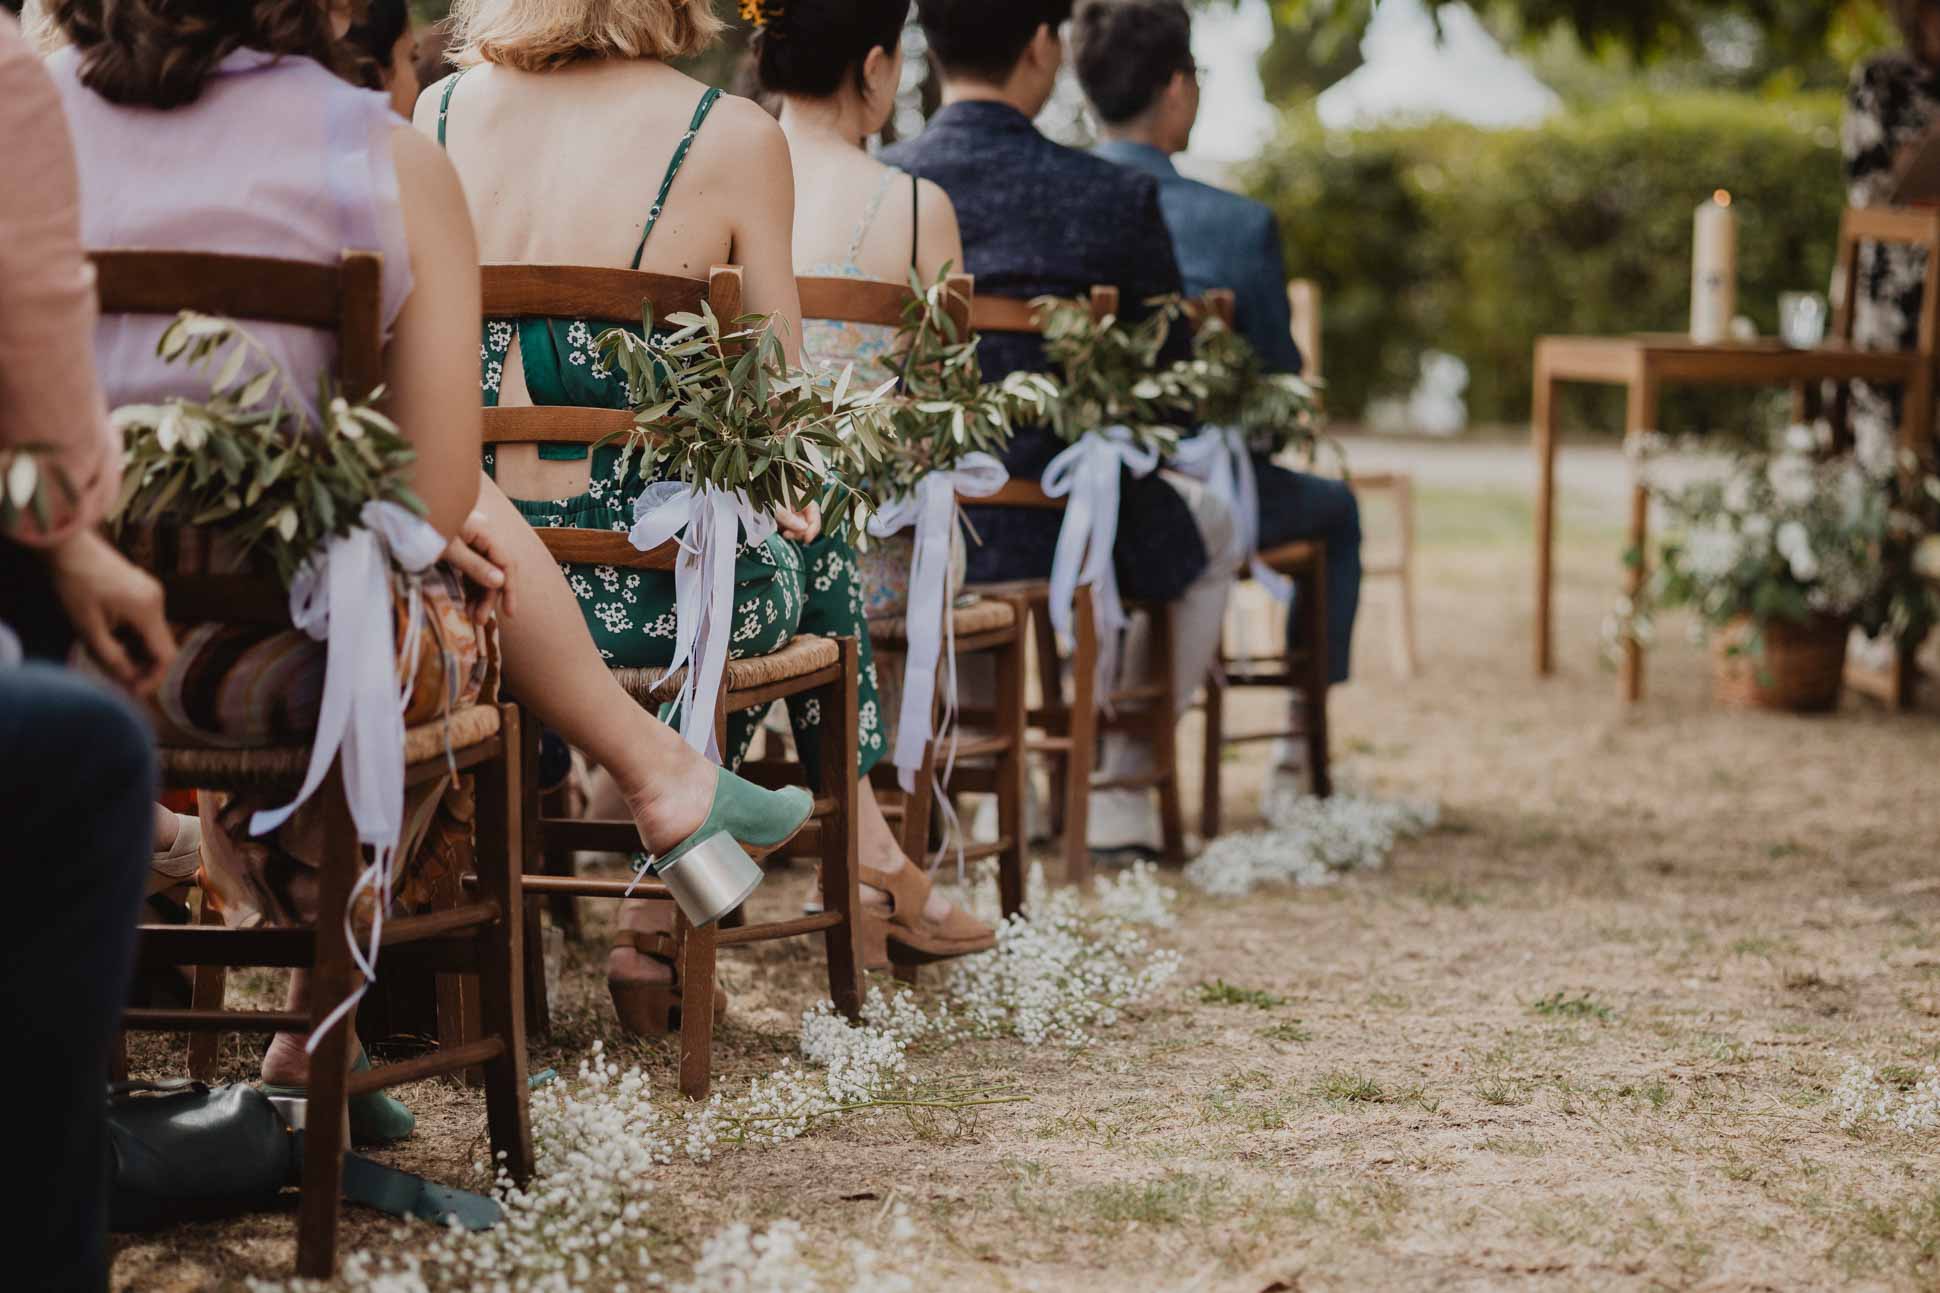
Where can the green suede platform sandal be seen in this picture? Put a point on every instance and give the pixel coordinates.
(375, 1118)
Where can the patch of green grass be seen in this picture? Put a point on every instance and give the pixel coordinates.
(1520, 1146)
(1350, 1088)
(1447, 893)
(1387, 1000)
(1174, 1199)
(1221, 993)
(1559, 1005)
(1501, 1093)
(1901, 1233)
(1291, 1030)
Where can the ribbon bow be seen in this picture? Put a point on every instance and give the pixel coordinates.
(932, 508)
(1218, 457)
(708, 520)
(341, 596)
(1087, 471)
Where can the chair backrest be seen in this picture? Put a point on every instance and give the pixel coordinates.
(602, 296)
(1303, 303)
(345, 298)
(864, 300)
(1896, 226)
(1218, 303)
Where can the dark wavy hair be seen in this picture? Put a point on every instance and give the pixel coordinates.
(812, 44)
(159, 53)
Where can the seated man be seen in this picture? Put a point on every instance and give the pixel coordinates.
(1134, 59)
(1038, 218)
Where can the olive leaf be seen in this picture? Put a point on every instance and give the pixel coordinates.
(1231, 386)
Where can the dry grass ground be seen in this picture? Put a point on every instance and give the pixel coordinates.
(1582, 1036)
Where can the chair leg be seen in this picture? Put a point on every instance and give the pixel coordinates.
(500, 990)
(1317, 680)
(559, 861)
(698, 952)
(210, 986)
(1050, 687)
(1012, 769)
(1083, 731)
(332, 979)
(1165, 736)
(1211, 765)
(1406, 660)
(538, 1011)
(841, 843)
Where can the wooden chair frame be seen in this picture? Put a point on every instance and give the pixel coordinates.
(480, 937)
(995, 762)
(1896, 684)
(616, 295)
(1070, 731)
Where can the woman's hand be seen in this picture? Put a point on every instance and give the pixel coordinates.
(477, 554)
(116, 608)
(800, 527)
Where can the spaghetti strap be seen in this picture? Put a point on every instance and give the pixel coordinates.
(915, 224)
(444, 102)
(673, 168)
(868, 221)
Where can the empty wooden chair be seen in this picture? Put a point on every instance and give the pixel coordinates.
(479, 937)
(807, 664)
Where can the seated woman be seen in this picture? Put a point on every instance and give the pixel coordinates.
(222, 128)
(384, 35)
(579, 144)
(835, 66)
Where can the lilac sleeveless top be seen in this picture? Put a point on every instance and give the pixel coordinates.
(276, 157)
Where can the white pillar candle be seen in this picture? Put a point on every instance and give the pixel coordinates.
(1714, 269)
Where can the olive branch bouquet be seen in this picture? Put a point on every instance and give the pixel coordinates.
(1110, 373)
(1230, 386)
(250, 458)
(717, 404)
(945, 410)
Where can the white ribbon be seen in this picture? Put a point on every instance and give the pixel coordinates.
(341, 597)
(932, 509)
(1218, 457)
(709, 521)
(1088, 472)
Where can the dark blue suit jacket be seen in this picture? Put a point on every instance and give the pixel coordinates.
(1223, 240)
(1042, 219)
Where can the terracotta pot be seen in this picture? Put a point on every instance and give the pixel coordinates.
(1801, 669)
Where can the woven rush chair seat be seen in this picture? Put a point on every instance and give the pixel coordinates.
(802, 656)
(985, 615)
(226, 767)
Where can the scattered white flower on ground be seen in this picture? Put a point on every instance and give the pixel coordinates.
(1309, 842)
(1864, 1097)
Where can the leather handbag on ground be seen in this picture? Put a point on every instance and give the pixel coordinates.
(182, 1151)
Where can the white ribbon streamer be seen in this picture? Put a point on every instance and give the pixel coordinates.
(1218, 457)
(709, 521)
(1088, 473)
(932, 509)
(341, 597)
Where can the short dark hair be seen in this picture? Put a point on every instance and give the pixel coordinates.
(810, 45)
(985, 38)
(377, 34)
(1127, 51)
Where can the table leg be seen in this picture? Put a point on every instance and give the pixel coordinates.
(1641, 417)
(1543, 419)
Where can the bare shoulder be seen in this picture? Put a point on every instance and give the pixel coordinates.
(427, 183)
(425, 115)
(735, 124)
(933, 206)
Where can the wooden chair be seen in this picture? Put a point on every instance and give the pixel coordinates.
(1918, 227)
(480, 937)
(1070, 728)
(806, 664)
(1397, 565)
(1306, 668)
(993, 761)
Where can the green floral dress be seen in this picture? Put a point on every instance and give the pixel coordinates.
(781, 588)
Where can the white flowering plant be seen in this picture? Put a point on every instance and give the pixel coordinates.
(1790, 534)
(251, 458)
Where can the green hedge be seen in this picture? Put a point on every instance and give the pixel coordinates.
(1475, 242)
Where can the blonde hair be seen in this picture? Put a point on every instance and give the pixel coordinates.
(538, 35)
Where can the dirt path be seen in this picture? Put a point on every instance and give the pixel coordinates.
(1583, 1036)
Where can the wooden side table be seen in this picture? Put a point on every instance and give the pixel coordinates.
(1644, 363)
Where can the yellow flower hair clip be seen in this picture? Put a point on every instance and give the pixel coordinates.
(759, 13)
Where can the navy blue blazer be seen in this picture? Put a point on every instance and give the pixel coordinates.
(1223, 240)
(1042, 219)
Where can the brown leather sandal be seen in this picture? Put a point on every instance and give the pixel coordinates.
(902, 935)
(651, 1009)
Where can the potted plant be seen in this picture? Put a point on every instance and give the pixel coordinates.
(1781, 557)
